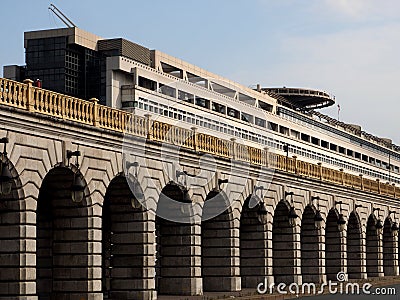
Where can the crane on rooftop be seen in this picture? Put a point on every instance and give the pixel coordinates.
(61, 16)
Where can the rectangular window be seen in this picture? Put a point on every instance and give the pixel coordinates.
(184, 96)
(167, 90)
(233, 112)
(265, 106)
(273, 126)
(315, 141)
(147, 83)
(295, 134)
(203, 102)
(333, 147)
(260, 122)
(247, 117)
(349, 152)
(219, 108)
(305, 137)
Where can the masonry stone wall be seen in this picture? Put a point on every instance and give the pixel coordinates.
(52, 246)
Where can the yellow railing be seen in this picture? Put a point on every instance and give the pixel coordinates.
(13, 93)
(37, 100)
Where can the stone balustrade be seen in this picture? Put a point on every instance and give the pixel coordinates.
(26, 96)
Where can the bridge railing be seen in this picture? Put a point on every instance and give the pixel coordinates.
(30, 98)
(13, 93)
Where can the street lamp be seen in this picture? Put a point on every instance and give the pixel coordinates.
(395, 227)
(262, 212)
(318, 219)
(179, 174)
(6, 179)
(379, 226)
(136, 188)
(341, 222)
(186, 201)
(78, 186)
(378, 223)
(292, 211)
(220, 182)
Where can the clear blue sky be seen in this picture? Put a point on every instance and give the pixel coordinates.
(349, 48)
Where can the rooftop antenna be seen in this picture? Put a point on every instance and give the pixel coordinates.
(61, 16)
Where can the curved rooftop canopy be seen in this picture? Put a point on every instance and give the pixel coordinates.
(302, 98)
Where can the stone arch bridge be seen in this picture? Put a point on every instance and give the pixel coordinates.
(264, 223)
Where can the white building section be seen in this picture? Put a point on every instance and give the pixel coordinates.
(172, 90)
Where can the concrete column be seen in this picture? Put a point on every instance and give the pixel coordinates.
(76, 260)
(363, 257)
(380, 256)
(321, 256)
(297, 278)
(374, 250)
(286, 247)
(343, 251)
(253, 250)
(269, 254)
(132, 264)
(220, 254)
(179, 264)
(17, 249)
(312, 249)
(396, 255)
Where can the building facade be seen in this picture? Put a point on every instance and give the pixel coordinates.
(179, 182)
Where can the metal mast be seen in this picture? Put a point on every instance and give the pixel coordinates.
(61, 16)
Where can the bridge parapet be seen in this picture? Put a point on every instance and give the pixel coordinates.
(37, 100)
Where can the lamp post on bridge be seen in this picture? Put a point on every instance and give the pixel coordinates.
(6, 178)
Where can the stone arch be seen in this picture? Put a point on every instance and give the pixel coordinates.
(390, 265)
(178, 245)
(283, 245)
(16, 261)
(373, 248)
(354, 247)
(333, 246)
(253, 245)
(220, 258)
(127, 244)
(311, 252)
(64, 242)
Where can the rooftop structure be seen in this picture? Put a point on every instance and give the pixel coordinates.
(303, 98)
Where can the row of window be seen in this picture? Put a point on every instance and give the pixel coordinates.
(331, 146)
(300, 119)
(205, 103)
(211, 124)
